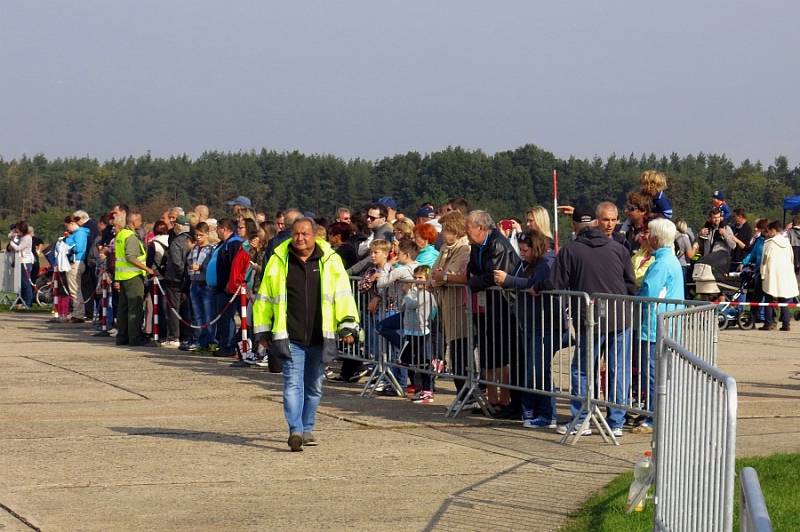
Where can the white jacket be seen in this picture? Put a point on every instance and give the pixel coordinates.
(777, 268)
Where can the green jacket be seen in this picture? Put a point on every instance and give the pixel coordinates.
(339, 311)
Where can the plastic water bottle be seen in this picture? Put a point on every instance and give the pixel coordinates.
(641, 483)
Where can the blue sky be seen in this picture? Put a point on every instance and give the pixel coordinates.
(374, 78)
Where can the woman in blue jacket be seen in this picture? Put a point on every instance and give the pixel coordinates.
(663, 280)
(77, 240)
(534, 316)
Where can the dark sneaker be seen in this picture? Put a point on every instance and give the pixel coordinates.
(309, 439)
(295, 442)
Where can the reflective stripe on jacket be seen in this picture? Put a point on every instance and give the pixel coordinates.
(124, 270)
(339, 311)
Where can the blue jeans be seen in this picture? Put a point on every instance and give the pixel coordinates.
(226, 328)
(26, 290)
(618, 366)
(302, 387)
(204, 304)
(539, 360)
(650, 378)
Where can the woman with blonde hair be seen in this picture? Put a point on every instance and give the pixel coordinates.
(538, 219)
(403, 229)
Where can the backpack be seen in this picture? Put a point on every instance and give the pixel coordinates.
(211, 268)
(161, 266)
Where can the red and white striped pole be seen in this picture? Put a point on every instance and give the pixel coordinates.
(155, 310)
(245, 345)
(55, 295)
(555, 209)
(103, 305)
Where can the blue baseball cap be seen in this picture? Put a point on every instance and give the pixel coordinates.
(387, 202)
(241, 201)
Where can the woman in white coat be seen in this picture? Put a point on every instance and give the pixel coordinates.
(777, 275)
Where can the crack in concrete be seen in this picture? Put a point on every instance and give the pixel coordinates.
(127, 485)
(117, 386)
(19, 518)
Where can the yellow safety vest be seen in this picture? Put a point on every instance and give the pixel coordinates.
(124, 270)
(339, 310)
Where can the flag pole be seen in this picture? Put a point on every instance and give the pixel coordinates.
(555, 209)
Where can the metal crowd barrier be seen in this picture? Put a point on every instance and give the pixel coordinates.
(625, 349)
(753, 514)
(515, 342)
(695, 439)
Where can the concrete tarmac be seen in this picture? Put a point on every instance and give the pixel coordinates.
(98, 437)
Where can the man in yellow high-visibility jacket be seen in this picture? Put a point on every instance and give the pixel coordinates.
(304, 305)
(129, 274)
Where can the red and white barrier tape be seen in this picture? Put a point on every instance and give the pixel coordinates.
(185, 321)
(748, 304)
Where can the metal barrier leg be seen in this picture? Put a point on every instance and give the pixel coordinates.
(381, 374)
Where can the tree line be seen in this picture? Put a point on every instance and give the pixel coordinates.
(506, 184)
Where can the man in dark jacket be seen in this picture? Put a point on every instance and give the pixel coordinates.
(491, 251)
(596, 264)
(89, 277)
(230, 246)
(175, 283)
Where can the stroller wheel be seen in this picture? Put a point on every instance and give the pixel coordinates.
(722, 321)
(746, 320)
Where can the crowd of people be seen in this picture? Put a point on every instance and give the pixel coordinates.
(295, 268)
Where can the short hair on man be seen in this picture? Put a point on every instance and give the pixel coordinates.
(713, 211)
(380, 244)
(663, 231)
(761, 224)
(459, 204)
(606, 206)
(738, 211)
(304, 220)
(227, 223)
(409, 248)
(342, 210)
(480, 218)
(290, 216)
(380, 208)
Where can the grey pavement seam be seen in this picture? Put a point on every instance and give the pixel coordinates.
(19, 518)
(117, 386)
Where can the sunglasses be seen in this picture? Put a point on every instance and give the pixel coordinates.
(631, 208)
(373, 218)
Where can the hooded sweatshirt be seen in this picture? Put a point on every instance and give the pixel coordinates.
(594, 263)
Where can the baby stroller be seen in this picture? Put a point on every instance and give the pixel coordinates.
(740, 315)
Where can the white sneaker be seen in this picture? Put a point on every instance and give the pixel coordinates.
(250, 358)
(264, 362)
(563, 429)
(171, 343)
(617, 432)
